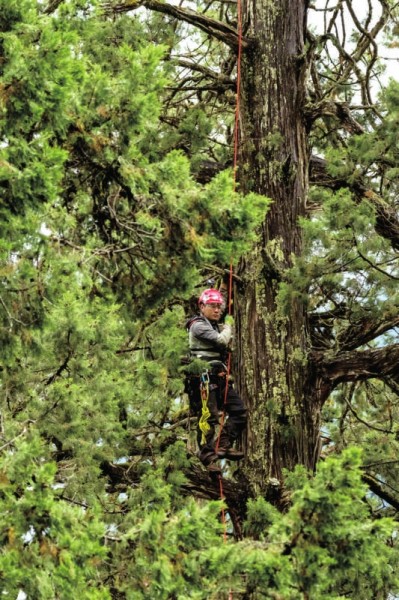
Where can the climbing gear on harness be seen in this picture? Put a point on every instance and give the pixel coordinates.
(218, 367)
(205, 412)
(211, 296)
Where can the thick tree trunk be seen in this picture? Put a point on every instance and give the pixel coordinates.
(273, 371)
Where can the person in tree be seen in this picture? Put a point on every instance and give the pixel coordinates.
(209, 341)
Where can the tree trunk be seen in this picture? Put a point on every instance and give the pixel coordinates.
(274, 375)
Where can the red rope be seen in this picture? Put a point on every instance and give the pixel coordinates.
(235, 164)
(230, 287)
(223, 511)
(237, 109)
(228, 366)
(221, 492)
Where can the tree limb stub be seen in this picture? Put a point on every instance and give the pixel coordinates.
(339, 110)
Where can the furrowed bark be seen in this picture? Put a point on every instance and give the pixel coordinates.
(283, 425)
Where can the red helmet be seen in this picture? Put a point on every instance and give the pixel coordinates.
(211, 296)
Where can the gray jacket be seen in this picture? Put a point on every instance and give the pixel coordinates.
(207, 339)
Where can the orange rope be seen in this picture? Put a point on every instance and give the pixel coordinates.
(237, 110)
(228, 366)
(223, 512)
(221, 492)
(235, 164)
(230, 286)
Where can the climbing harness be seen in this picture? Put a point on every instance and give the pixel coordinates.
(205, 412)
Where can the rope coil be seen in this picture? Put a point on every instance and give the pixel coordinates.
(205, 412)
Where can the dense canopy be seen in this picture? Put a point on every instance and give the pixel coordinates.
(118, 203)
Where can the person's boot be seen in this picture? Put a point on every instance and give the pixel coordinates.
(229, 453)
(213, 468)
(209, 461)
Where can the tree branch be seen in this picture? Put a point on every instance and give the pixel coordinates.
(387, 222)
(340, 110)
(52, 6)
(363, 421)
(212, 27)
(358, 366)
(364, 331)
(220, 78)
(377, 488)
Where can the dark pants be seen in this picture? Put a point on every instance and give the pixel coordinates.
(234, 409)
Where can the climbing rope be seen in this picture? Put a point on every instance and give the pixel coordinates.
(237, 107)
(228, 365)
(235, 165)
(223, 511)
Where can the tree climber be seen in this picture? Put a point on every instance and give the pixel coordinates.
(209, 342)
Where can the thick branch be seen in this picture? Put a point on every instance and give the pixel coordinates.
(364, 331)
(387, 221)
(52, 6)
(393, 383)
(216, 29)
(203, 485)
(339, 110)
(358, 366)
(378, 489)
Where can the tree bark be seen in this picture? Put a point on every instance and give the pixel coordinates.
(273, 373)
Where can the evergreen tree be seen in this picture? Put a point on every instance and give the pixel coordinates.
(117, 204)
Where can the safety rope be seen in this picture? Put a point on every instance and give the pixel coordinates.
(235, 165)
(228, 365)
(237, 108)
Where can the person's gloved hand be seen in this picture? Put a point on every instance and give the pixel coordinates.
(229, 320)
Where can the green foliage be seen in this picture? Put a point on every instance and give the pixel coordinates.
(260, 516)
(371, 423)
(160, 555)
(196, 366)
(337, 545)
(345, 263)
(39, 82)
(105, 234)
(327, 545)
(48, 547)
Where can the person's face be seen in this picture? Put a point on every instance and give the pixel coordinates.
(211, 311)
